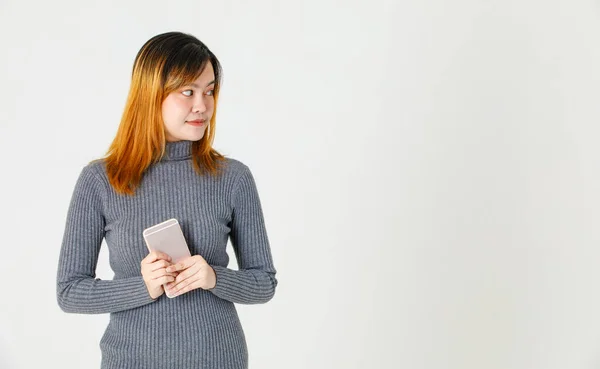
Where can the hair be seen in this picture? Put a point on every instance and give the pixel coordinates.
(165, 63)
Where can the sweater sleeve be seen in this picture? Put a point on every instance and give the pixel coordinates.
(78, 291)
(255, 281)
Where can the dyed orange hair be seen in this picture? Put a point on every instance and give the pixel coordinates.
(164, 64)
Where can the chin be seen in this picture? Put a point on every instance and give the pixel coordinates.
(190, 135)
(194, 137)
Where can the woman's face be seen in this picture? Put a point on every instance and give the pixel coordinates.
(182, 108)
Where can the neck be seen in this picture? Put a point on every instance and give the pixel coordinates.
(178, 150)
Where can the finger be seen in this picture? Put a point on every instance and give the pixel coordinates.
(155, 255)
(159, 264)
(185, 286)
(173, 274)
(187, 276)
(163, 280)
(150, 258)
(188, 273)
(199, 258)
(163, 256)
(161, 272)
(183, 264)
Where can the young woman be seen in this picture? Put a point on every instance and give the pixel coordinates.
(161, 165)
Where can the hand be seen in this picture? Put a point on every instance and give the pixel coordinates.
(194, 272)
(153, 270)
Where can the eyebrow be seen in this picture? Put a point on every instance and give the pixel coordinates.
(208, 84)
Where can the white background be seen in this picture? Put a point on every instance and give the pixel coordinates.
(428, 172)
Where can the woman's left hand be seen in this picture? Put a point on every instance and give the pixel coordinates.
(194, 272)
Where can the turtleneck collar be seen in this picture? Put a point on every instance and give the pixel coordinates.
(178, 150)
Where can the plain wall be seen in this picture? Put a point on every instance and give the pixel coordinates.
(428, 171)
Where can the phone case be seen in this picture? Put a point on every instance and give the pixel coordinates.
(167, 237)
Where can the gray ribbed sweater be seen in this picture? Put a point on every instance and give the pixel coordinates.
(199, 329)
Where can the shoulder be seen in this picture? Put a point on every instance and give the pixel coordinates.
(97, 169)
(235, 168)
(96, 166)
(90, 184)
(240, 177)
(93, 174)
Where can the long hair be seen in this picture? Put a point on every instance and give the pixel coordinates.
(164, 64)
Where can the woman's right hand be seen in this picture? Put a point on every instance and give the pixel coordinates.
(154, 273)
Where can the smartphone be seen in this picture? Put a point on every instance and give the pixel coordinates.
(167, 237)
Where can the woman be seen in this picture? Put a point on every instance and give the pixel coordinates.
(161, 165)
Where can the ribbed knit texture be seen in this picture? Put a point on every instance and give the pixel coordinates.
(199, 329)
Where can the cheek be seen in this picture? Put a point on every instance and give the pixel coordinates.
(210, 107)
(174, 111)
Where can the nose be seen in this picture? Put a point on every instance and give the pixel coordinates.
(199, 105)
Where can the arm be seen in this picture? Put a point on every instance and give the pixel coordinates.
(77, 289)
(255, 281)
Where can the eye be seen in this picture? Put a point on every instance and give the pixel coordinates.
(210, 92)
(191, 92)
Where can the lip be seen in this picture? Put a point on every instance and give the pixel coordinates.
(196, 122)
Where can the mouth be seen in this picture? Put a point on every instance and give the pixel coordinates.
(197, 122)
